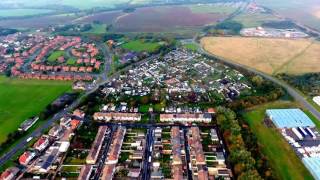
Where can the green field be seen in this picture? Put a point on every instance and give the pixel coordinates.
(191, 46)
(281, 156)
(138, 46)
(55, 55)
(21, 99)
(305, 11)
(82, 4)
(23, 12)
(71, 61)
(248, 20)
(212, 8)
(97, 29)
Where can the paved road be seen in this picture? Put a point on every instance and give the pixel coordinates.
(187, 150)
(146, 171)
(103, 153)
(293, 92)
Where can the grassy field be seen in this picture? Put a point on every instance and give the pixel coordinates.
(55, 55)
(21, 99)
(83, 4)
(71, 61)
(304, 11)
(22, 12)
(250, 20)
(139, 46)
(213, 8)
(191, 46)
(280, 154)
(271, 56)
(97, 29)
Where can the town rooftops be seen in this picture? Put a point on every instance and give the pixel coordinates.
(117, 116)
(9, 174)
(96, 146)
(186, 117)
(108, 171)
(176, 146)
(289, 118)
(313, 165)
(116, 145)
(26, 157)
(85, 172)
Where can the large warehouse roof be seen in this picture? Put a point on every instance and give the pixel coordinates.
(289, 118)
(313, 165)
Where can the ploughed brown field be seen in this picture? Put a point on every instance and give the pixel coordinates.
(268, 55)
(37, 22)
(147, 19)
(164, 18)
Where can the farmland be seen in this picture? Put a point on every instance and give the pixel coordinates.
(146, 19)
(138, 46)
(23, 12)
(38, 22)
(227, 8)
(97, 29)
(248, 20)
(304, 11)
(21, 99)
(82, 5)
(280, 155)
(155, 19)
(272, 56)
(159, 19)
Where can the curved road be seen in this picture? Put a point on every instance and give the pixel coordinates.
(293, 92)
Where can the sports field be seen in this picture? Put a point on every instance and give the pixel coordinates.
(21, 99)
(281, 156)
(139, 46)
(268, 55)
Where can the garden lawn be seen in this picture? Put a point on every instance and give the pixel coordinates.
(139, 46)
(55, 55)
(281, 156)
(21, 99)
(71, 61)
(23, 12)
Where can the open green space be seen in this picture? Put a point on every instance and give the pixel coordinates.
(82, 5)
(55, 55)
(138, 46)
(23, 12)
(248, 20)
(21, 99)
(191, 46)
(71, 61)
(305, 12)
(212, 8)
(281, 156)
(97, 29)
